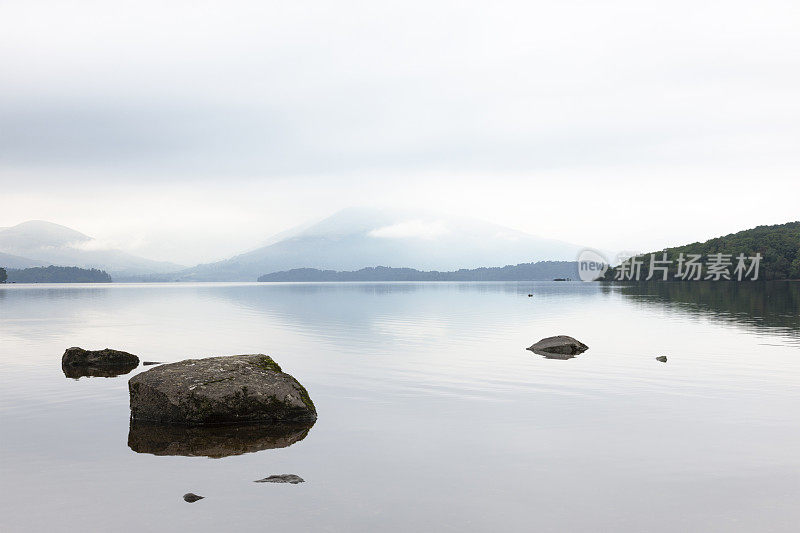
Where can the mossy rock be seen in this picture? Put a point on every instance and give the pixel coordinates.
(234, 389)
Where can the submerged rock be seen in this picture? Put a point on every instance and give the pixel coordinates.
(662, 358)
(235, 389)
(98, 358)
(282, 478)
(215, 441)
(558, 347)
(192, 497)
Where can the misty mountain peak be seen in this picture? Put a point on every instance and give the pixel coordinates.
(397, 223)
(357, 220)
(38, 234)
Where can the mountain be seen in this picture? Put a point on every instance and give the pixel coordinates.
(15, 261)
(40, 243)
(779, 246)
(541, 271)
(37, 234)
(355, 238)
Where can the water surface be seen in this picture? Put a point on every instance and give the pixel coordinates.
(432, 415)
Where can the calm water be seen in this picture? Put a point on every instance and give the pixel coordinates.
(432, 415)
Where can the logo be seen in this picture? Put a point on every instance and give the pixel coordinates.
(591, 265)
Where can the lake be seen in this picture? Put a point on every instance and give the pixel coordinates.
(432, 415)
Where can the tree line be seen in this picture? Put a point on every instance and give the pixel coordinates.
(54, 274)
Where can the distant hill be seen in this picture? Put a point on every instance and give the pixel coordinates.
(15, 261)
(57, 274)
(41, 243)
(541, 271)
(779, 246)
(355, 238)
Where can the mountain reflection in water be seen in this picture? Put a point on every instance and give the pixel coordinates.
(773, 305)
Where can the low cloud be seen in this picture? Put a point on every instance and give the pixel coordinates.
(412, 229)
(107, 244)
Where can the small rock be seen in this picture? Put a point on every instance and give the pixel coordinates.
(148, 363)
(99, 358)
(559, 345)
(282, 478)
(662, 358)
(192, 497)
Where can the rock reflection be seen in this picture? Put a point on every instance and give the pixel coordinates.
(550, 355)
(214, 442)
(77, 372)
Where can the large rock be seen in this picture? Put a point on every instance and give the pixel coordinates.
(560, 345)
(235, 389)
(78, 357)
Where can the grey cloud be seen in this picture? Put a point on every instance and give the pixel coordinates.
(260, 89)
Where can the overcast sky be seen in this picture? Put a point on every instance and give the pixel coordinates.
(191, 131)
